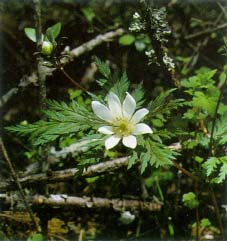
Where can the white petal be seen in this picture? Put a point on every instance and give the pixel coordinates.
(129, 141)
(106, 130)
(139, 115)
(129, 106)
(114, 104)
(141, 129)
(101, 111)
(111, 142)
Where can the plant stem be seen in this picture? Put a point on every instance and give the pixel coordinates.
(72, 80)
(197, 212)
(214, 200)
(212, 153)
(214, 118)
(13, 172)
(38, 24)
(207, 31)
(186, 172)
(40, 67)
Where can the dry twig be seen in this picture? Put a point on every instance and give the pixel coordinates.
(59, 200)
(207, 31)
(68, 174)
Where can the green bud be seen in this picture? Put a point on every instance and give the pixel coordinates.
(47, 48)
(24, 122)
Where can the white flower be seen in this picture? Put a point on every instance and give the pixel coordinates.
(122, 120)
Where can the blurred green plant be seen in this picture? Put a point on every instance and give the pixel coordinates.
(190, 200)
(208, 113)
(35, 237)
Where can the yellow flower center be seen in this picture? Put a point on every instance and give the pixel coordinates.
(122, 127)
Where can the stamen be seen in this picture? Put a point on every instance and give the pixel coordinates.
(123, 127)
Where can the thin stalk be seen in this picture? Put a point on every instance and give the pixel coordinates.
(186, 172)
(214, 200)
(197, 212)
(40, 69)
(212, 153)
(214, 118)
(38, 24)
(15, 177)
(41, 73)
(159, 189)
(72, 80)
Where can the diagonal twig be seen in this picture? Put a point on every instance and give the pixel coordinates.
(68, 174)
(207, 31)
(95, 169)
(13, 172)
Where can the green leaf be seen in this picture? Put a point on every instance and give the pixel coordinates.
(138, 95)
(190, 115)
(210, 165)
(74, 93)
(183, 59)
(160, 155)
(157, 122)
(126, 39)
(205, 222)
(220, 130)
(222, 78)
(190, 200)
(101, 82)
(144, 157)
(30, 33)
(87, 162)
(223, 173)
(205, 73)
(162, 105)
(200, 100)
(171, 229)
(92, 179)
(35, 237)
(161, 175)
(214, 163)
(53, 32)
(103, 68)
(88, 13)
(198, 159)
(201, 79)
(121, 87)
(155, 154)
(132, 159)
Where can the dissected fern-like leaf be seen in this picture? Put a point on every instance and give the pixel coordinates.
(216, 166)
(163, 104)
(121, 86)
(103, 68)
(138, 95)
(155, 153)
(61, 118)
